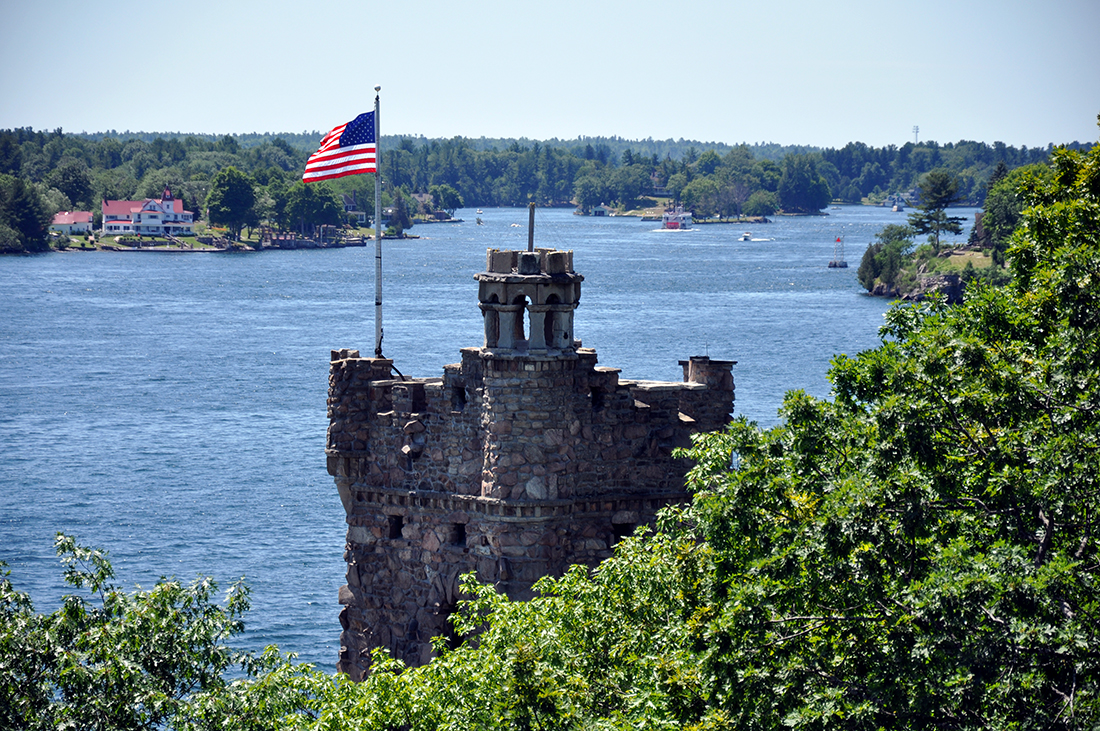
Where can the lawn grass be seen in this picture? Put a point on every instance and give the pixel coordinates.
(956, 260)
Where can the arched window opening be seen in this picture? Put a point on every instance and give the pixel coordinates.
(520, 323)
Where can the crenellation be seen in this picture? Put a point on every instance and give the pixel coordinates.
(523, 458)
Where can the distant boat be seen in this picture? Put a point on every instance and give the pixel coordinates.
(838, 260)
(746, 236)
(676, 219)
(479, 211)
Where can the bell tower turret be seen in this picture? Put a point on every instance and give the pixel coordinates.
(527, 299)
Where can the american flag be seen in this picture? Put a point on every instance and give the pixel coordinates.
(349, 149)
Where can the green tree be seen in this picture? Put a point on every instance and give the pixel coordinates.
(447, 198)
(262, 209)
(871, 176)
(676, 184)
(884, 257)
(802, 189)
(312, 205)
(400, 221)
(701, 197)
(278, 192)
(851, 193)
(768, 173)
(628, 183)
(24, 218)
(231, 199)
(1004, 205)
(920, 552)
(828, 173)
(708, 163)
(112, 660)
(228, 143)
(588, 192)
(53, 200)
(761, 203)
(73, 178)
(938, 190)
(733, 193)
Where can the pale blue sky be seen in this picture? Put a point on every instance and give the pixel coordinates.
(786, 71)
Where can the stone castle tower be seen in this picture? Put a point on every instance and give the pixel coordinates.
(521, 460)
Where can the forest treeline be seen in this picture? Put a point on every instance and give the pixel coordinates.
(43, 172)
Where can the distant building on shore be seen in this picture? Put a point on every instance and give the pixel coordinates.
(150, 217)
(351, 207)
(72, 222)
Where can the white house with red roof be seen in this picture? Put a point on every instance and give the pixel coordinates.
(150, 217)
(72, 222)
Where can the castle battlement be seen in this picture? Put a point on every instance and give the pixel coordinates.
(523, 458)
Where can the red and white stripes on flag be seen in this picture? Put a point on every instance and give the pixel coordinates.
(349, 149)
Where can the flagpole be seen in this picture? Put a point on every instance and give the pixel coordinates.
(377, 229)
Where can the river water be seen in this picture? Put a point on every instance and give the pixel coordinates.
(170, 408)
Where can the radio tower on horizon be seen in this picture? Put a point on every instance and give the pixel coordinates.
(916, 131)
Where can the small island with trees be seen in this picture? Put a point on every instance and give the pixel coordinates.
(895, 266)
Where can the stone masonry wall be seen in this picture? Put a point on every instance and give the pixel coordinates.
(561, 429)
(524, 458)
(434, 488)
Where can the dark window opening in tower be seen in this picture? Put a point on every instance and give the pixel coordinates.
(596, 396)
(520, 330)
(457, 535)
(548, 323)
(458, 398)
(622, 530)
